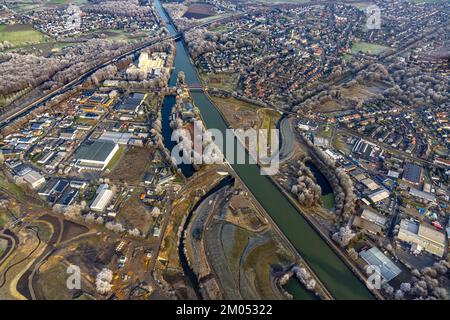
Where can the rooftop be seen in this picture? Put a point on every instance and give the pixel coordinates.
(374, 257)
(131, 103)
(412, 173)
(411, 226)
(94, 150)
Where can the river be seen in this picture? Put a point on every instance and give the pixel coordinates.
(331, 270)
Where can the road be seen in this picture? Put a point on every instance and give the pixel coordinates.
(7, 119)
(23, 111)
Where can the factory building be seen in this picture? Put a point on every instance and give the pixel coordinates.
(95, 155)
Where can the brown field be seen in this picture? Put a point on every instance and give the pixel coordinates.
(205, 179)
(330, 106)
(72, 229)
(199, 11)
(239, 114)
(362, 92)
(355, 92)
(139, 158)
(136, 215)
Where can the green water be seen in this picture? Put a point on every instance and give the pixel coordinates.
(331, 270)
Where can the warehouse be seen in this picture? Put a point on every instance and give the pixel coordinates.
(95, 155)
(379, 195)
(102, 200)
(422, 237)
(34, 179)
(384, 266)
(132, 103)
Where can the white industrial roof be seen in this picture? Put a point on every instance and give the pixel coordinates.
(102, 200)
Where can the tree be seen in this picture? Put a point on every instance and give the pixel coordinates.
(134, 232)
(103, 281)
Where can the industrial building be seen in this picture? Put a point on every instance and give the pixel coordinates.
(422, 195)
(412, 173)
(385, 267)
(379, 195)
(370, 184)
(95, 155)
(116, 137)
(365, 150)
(422, 237)
(132, 103)
(34, 179)
(102, 200)
(370, 221)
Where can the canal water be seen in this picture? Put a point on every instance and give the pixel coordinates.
(169, 101)
(331, 270)
(320, 178)
(297, 290)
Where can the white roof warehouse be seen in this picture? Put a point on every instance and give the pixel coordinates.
(102, 200)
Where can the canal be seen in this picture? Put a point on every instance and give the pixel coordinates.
(331, 270)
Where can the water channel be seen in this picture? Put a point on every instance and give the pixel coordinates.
(328, 266)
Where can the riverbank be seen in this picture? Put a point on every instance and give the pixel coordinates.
(326, 264)
(286, 241)
(311, 222)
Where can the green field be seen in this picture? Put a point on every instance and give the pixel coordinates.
(328, 201)
(14, 189)
(20, 34)
(365, 47)
(327, 132)
(116, 158)
(220, 28)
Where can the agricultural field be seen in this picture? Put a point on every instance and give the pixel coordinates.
(20, 34)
